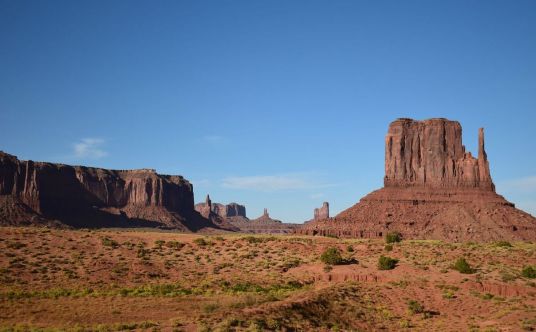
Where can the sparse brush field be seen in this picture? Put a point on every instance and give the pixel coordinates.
(109, 280)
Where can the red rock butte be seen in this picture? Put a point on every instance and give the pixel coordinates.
(433, 189)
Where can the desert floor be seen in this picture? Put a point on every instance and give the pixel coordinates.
(108, 280)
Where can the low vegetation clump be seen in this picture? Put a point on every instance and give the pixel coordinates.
(332, 256)
(415, 307)
(504, 244)
(529, 272)
(386, 263)
(201, 242)
(393, 237)
(107, 242)
(388, 247)
(462, 266)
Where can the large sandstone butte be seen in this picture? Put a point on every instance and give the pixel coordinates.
(77, 196)
(433, 189)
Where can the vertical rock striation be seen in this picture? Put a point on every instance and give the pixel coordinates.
(430, 154)
(433, 189)
(94, 197)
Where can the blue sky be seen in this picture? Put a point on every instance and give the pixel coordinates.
(277, 104)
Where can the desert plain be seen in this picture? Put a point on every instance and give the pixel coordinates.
(144, 279)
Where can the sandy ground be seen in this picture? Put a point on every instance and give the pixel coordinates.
(144, 280)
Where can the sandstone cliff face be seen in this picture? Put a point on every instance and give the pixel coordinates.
(434, 189)
(86, 197)
(322, 213)
(430, 154)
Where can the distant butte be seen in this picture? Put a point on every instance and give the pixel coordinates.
(433, 189)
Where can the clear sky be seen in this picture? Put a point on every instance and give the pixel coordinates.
(277, 104)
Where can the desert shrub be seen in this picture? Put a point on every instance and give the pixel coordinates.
(16, 245)
(331, 256)
(386, 263)
(143, 253)
(174, 244)
(462, 266)
(107, 242)
(200, 242)
(328, 268)
(393, 237)
(290, 263)
(504, 244)
(415, 307)
(350, 248)
(388, 247)
(332, 236)
(529, 272)
(253, 239)
(159, 243)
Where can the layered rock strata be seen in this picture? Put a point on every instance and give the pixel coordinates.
(81, 196)
(433, 189)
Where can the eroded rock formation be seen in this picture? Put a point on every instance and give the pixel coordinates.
(223, 210)
(94, 197)
(430, 154)
(433, 189)
(322, 212)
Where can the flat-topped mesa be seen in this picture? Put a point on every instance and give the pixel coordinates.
(430, 154)
(93, 197)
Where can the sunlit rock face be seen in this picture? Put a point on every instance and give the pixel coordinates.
(433, 189)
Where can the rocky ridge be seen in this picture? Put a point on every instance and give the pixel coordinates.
(43, 193)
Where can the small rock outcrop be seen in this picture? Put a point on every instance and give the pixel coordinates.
(81, 196)
(433, 189)
(223, 210)
(322, 212)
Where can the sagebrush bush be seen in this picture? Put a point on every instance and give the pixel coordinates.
(331, 256)
(415, 307)
(388, 247)
(386, 263)
(529, 272)
(393, 237)
(462, 266)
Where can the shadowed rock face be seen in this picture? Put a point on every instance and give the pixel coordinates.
(94, 197)
(433, 189)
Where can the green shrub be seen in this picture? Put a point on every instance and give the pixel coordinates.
(331, 256)
(393, 237)
(386, 263)
(529, 272)
(415, 307)
(174, 244)
(107, 242)
(159, 243)
(200, 242)
(350, 248)
(388, 247)
(505, 244)
(462, 266)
